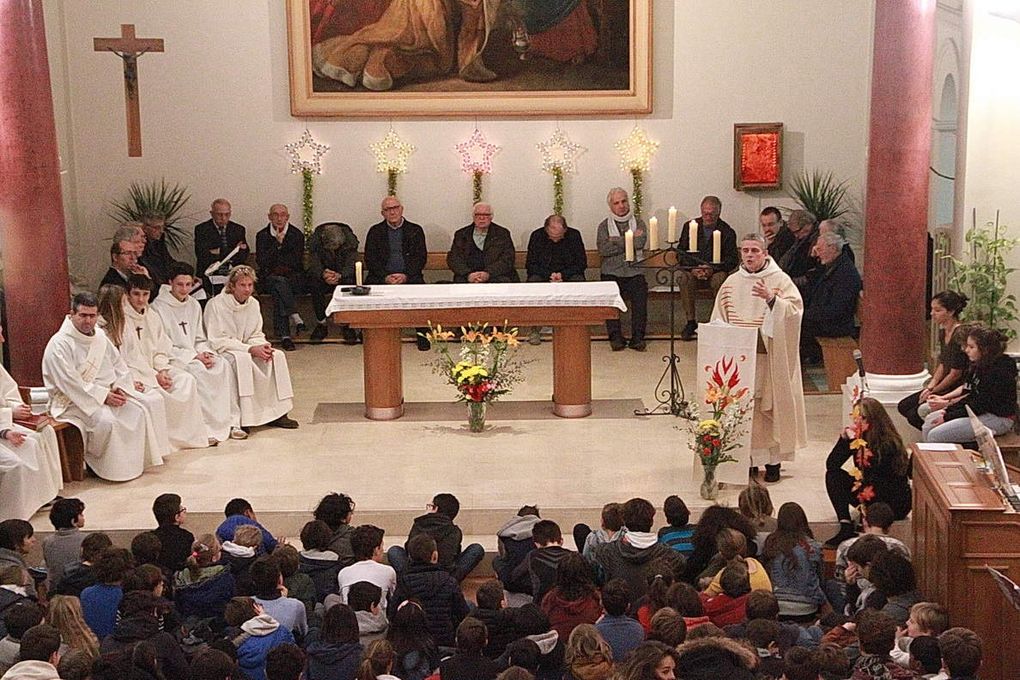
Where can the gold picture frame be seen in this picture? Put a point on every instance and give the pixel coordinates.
(621, 58)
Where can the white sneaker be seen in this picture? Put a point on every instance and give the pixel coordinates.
(238, 433)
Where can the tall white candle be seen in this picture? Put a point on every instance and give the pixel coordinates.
(628, 241)
(716, 247)
(671, 225)
(357, 273)
(653, 233)
(692, 236)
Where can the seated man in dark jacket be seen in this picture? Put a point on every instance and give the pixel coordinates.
(536, 575)
(483, 251)
(332, 252)
(799, 260)
(426, 582)
(638, 554)
(555, 253)
(279, 257)
(829, 312)
(438, 523)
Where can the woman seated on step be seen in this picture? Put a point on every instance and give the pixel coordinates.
(989, 389)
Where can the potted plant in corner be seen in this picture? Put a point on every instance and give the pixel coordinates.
(155, 198)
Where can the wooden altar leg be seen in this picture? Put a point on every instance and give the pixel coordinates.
(384, 376)
(571, 371)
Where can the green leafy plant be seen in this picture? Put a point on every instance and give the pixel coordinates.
(155, 199)
(820, 194)
(984, 276)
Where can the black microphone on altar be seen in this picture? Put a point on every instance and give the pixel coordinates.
(859, 360)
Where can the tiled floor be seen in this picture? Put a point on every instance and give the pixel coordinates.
(393, 468)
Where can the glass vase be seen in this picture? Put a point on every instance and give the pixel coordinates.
(709, 484)
(476, 415)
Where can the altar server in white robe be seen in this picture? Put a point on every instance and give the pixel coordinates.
(760, 295)
(233, 325)
(90, 386)
(182, 321)
(147, 350)
(29, 459)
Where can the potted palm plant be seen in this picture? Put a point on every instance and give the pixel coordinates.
(155, 199)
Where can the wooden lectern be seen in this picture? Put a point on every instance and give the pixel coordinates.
(961, 524)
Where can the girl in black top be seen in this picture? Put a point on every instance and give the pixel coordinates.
(951, 363)
(989, 390)
(884, 465)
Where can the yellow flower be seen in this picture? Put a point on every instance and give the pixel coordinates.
(709, 425)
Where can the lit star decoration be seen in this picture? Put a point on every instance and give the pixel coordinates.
(559, 152)
(636, 152)
(391, 154)
(476, 158)
(306, 154)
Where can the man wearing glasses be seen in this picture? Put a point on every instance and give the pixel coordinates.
(395, 252)
(483, 251)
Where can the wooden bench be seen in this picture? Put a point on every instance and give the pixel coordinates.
(1009, 444)
(70, 444)
(838, 359)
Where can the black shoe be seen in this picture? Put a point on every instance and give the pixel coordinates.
(287, 344)
(846, 530)
(638, 344)
(285, 422)
(423, 344)
(300, 328)
(752, 472)
(690, 331)
(350, 336)
(617, 344)
(319, 333)
(772, 473)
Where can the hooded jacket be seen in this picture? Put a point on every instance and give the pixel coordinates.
(258, 636)
(440, 597)
(447, 535)
(134, 629)
(565, 615)
(331, 660)
(500, 625)
(341, 545)
(634, 558)
(536, 574)
(724, 610)
(206, 596)
(515, 542)
(31, 670)
(371, 627)
(712, 658)
(322, 568)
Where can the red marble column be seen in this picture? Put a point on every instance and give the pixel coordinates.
(35, 278)
(893, 335)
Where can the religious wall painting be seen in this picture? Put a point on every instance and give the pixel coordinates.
(469, 57)
(757, 156)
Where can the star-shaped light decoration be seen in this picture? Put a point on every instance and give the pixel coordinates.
(476, 154)
(391, 153)
(636, 150)
(559, 152)
(306, 154)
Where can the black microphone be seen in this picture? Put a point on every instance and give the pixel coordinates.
(859, 360)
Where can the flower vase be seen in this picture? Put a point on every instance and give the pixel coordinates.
(709, 484)
(476, 415)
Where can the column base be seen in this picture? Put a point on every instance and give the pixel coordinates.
(888, 390)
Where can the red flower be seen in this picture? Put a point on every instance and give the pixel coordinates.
(866, 494)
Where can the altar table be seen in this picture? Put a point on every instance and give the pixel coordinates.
(568, 307)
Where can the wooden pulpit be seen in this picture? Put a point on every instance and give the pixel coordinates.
(960, 525)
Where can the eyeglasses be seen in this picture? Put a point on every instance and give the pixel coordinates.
(183, 509)
(431, 506)
(483, 214)
(392, 207)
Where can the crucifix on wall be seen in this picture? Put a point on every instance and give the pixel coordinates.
(129, 48)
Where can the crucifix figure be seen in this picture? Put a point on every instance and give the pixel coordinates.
(129, 48)
(138, 330)
(184, 326)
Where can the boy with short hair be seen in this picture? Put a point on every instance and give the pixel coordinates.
(926, 658)
(259, 633)
(239, 512)
(365, 599)
(176, 540)
(17, 620)
(679, 530)
(611, 529)
(63, 547)
(536, 575)
(961, 653)
(622, 633)
(925, 619)
(434, 587)
(39, 654)
(876, 633)
(79, 576)
(497, 617)
(468, 663)
(367, 544)
(730, 606)
(271, 595)
(438, 523)
(316, 559)
(764, 636)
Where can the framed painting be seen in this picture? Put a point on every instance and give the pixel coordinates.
(400, 58)
(757, 156)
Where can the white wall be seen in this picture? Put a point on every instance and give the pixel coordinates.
(215, 116)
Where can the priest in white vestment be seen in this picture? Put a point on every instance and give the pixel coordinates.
(233, 325)
(30, 474)
(146, 349)
(90, 386)
(190, 351)
(760, 295)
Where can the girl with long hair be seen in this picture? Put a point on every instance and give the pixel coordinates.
(417, 654)
(793, 559)
(587, 656)
(65, 615)
(883, 462)
(989, 390)
(377, 663)
(111, 309)
(950, 363)
(574, 599)
(649, 661)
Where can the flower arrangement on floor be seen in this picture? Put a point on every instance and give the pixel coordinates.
(718, 432)
(484, 368)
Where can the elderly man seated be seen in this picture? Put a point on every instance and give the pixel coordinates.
(799, 259)
(555, 253)
(832, 300)
(483, 251)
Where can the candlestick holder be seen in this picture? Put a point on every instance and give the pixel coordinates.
(669, 390)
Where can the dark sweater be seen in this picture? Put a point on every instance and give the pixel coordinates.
(468, 667)
(447, 535)
(565, 256)
(176, 544)
(440, 597)
(991, 388)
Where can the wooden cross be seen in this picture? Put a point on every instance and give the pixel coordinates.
(129, 48)
(184, 326)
